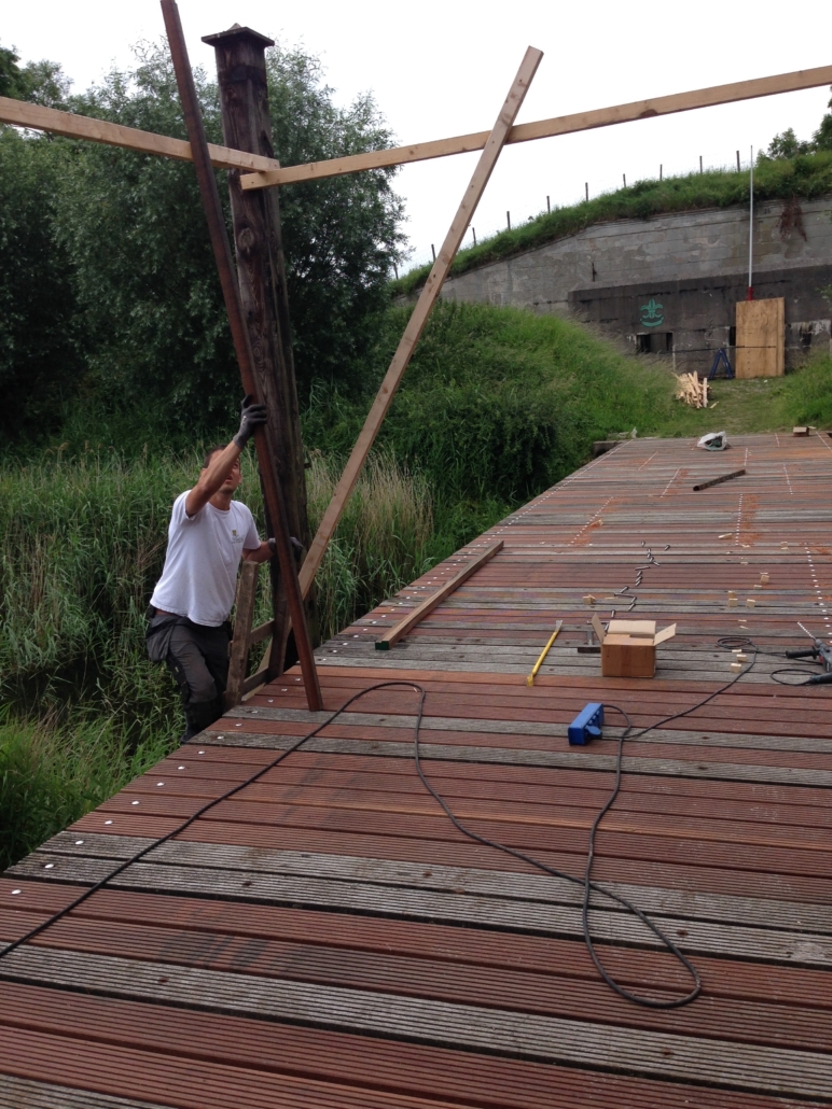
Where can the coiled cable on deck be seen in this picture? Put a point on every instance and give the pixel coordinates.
(588, 885)
(586, 882)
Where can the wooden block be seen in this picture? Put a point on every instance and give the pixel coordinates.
(736, 666)
(764, 579)
(800, 431)
(646, 628)
(732, 602)
(750, 602)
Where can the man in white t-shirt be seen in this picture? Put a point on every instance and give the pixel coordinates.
(209, 533)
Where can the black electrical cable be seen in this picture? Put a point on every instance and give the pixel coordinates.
(728, 643)
(176, 831)
(420, 691)
(809, 674)
(586, 881)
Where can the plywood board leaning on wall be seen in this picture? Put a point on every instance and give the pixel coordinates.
(761, 337)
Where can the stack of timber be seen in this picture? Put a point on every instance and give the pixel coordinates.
(326, 937)
(692, 391)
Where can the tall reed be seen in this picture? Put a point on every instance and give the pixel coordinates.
(51, 774)
(82, 541)
(382, 541)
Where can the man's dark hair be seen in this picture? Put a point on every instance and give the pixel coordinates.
(209, 454)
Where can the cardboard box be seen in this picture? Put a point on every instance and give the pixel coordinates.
(628, 647)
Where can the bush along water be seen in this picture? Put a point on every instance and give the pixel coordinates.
(82, 540)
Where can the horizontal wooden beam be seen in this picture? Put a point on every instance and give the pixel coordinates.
(74, 126)
(546, 128)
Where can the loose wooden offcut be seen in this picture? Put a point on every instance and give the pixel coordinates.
(692, 391)
(421, 611)
(718, 481)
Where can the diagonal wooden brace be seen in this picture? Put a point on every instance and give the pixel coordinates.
(419, 317)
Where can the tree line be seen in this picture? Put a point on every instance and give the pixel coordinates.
(109, 299)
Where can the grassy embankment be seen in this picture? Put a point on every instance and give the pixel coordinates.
(497, 406)
(804, 177)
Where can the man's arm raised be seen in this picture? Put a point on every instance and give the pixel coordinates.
(212, 477)
(221, 464)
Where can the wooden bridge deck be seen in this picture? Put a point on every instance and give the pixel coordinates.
(325, 937)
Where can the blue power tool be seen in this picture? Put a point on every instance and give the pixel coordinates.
(587, 724)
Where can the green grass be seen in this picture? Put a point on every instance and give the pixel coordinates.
(802, 397)
(498, 403)
(807, 176)
(82, 539)
(51, 774)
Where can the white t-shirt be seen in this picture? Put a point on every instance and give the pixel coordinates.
(199, 578)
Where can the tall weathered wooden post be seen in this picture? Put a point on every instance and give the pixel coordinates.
(246, 124)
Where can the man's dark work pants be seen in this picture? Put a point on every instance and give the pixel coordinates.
(198, 659)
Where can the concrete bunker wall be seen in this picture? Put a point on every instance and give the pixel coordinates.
(669, 284)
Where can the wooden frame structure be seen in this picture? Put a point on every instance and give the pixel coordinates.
(262, 172)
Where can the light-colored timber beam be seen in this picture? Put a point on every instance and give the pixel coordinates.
(419, 316)
(546, 128)
(73, 126)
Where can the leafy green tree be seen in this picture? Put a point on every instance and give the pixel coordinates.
(127, 238)
(822, 138)
(342, 234)
(12, 79)
(40, 82)
(133, 224)
(156, 336)
(39, 357)
(787, 145)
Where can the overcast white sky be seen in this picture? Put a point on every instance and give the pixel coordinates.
(442, 67)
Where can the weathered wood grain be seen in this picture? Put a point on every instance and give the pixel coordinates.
(734, 1066)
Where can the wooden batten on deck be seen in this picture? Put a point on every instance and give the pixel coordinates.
(325, 936)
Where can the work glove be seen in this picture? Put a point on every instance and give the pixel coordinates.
(252, 416)
(297, 547)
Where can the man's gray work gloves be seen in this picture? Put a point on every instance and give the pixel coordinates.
(297, 547)
(252, 416)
